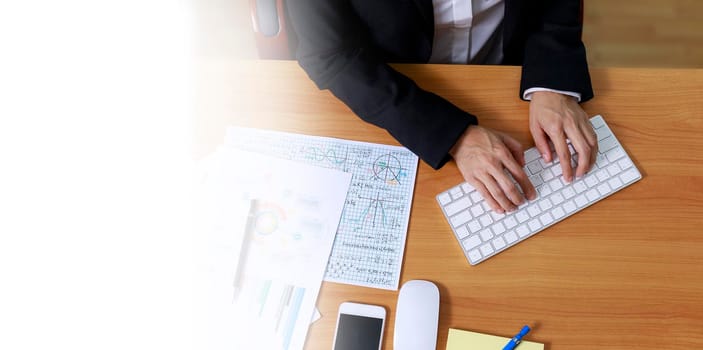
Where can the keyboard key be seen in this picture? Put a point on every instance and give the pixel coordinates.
(461, 218)
(536, 180)
(613, 169)
(601, 161)
(533, 225)
(558, 213)
(467, 188)
(533, 210)
(581, 201)
(591, 180)
(444, 199)
(546, 219)
(534, 167)
(580, 186)
(456, 193)
(615, 183)
(592, 195)
(544, 205)
(547, 175)
(511, 237)
(569, 207)
(462, 232)
(556, 184)
(603, 189)
(568, 192)
(615, 154)
(602, 175)
(498, 243)
(597, 122)
(607, 144)
(486, 249)
(498, 228)
(629, 175)
(544, 190)
(474, 226)
(625, 163)
(453, 208)
(496, 215)
(476, 197)
(557, 198)
(531, 154)
(477, 210)
(556, 170)
(486, 235)
(472, 242)
(602, 133)
(522, 231)
(522, 216)
(485, 220)
(510, 222)
(475, 256)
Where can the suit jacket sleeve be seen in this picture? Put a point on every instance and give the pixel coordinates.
(335, 52)
(555, 56)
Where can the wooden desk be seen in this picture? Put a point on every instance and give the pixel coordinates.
(626, 273)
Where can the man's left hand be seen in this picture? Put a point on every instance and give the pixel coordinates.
(556, 117)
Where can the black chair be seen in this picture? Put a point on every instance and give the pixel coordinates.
(275, 39)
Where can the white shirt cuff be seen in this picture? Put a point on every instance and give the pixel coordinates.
(527, 95)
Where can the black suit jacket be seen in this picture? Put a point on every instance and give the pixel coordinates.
(345, 45)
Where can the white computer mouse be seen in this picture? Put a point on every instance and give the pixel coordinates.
(416, 316)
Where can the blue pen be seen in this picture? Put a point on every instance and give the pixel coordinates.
(516, 339)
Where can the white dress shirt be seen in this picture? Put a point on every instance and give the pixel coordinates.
(471, 32)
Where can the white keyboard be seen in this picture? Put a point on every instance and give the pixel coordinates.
(483, 233)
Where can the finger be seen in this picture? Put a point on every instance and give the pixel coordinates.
(592, 139)
(481, 188)
(502, 177)
(560, 146)
(497, 192)
(518, 173)
(515, 168)
(586, 157)
(589, 133)
(542, 143)
(509, 187)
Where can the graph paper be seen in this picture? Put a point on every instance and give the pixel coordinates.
(370, 242)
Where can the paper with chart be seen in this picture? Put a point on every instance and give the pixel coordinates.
(265, 232)
(370, 243)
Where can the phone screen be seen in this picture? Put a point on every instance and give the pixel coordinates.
(358, 332)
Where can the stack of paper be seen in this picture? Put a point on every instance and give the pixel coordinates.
(265, 232)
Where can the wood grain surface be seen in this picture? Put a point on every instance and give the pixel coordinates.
(625, 273)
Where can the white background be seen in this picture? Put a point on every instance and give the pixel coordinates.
(95, 101)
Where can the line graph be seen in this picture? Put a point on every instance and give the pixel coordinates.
(319, 154)
(374, 212)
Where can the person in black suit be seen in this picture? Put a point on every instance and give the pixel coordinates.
(345, 45)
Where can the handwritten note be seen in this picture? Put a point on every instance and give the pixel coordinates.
(465, 340)
(370, 242)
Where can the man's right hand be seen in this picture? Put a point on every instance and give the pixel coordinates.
(485, 157)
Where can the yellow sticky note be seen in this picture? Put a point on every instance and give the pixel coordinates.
(465, 340)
